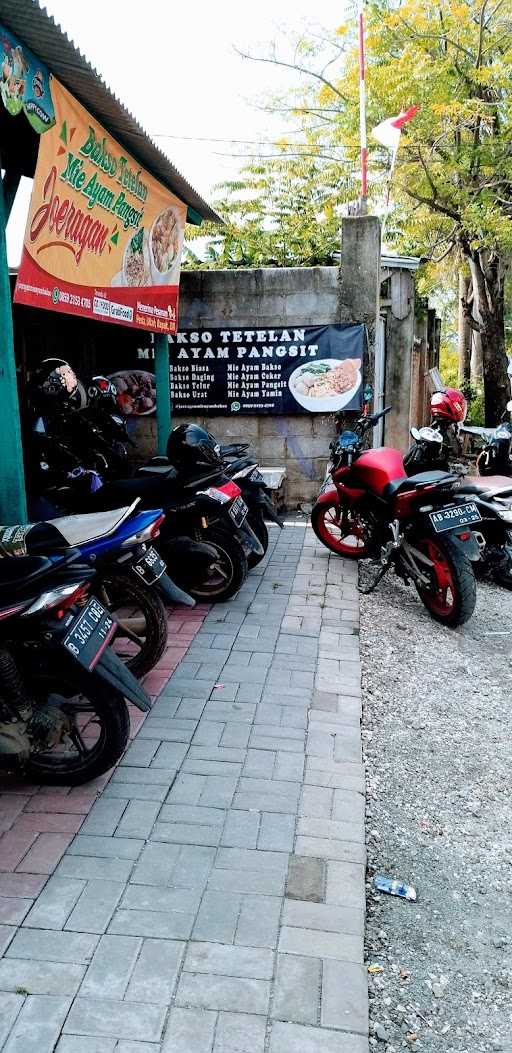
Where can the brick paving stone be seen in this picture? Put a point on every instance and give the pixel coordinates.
(277, 832)
(344, 997)
(296, 1038)
(38, 1025)
(106, 847)
(221, 960)
(190, 1031)
(131, 1020)
(323, 916)
(238, 1032)
(21, 885)
(81, 1044)
(317, 944)
(52, 946)
(176, 925)
(327, 848)
(95, 907)
(258, 922)
(217, 917)
(297, 989)
(242, 830)
(154, 977)
(91, 868)
(224, 992)
(55, 903)
(52, 978)
(10, 1006)
(109, 973)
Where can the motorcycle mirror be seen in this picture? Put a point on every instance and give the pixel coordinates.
(415, 432)
(509, 406)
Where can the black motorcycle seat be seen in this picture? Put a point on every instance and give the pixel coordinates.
(152, 491)
(60, 535)
(415, 482)
(18, 571)
(161, 470)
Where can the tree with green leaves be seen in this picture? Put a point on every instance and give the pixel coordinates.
(452, 186)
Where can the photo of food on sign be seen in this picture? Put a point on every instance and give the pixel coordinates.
(328, 384)
(136, 392)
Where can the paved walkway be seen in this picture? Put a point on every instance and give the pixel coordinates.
(213, 900)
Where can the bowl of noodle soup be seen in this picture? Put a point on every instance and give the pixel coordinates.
(136, 264)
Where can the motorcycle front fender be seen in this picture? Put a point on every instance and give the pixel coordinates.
(265, 502)
(172, 592)
(249, 540)
(110, 669)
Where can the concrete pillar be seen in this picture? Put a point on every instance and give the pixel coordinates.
(359, 292)
(399, 363)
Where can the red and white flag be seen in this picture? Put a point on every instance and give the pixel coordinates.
(388, 132)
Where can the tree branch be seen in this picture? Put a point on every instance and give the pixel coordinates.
(298, 69)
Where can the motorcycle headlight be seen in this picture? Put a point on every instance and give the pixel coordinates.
(506, 514)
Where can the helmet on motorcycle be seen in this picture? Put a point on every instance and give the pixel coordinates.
(55, 383)
(102, 390)
(190, 446)
(449, 404)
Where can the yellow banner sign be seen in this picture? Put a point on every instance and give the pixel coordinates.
(103, 238)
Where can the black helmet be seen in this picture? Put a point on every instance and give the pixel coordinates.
(190, 446)
(55, 383)
(102, 390)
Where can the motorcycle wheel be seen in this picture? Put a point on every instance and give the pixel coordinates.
(141, 636)
(230, 570)
(452, 597)
(99, 735)
(346, 540)
(258, 525)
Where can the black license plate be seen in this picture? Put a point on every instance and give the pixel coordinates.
(238, 511)
(455, 516)
(149, 567)
(90, 634)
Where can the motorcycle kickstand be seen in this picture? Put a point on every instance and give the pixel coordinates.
(366, 589)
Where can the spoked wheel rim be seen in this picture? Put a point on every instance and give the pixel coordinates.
(83, 743)
(341, 531)
(441, 597)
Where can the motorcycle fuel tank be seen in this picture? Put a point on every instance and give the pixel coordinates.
(374, 469)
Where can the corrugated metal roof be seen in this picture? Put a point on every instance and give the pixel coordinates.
(406, 263)
(36, 28)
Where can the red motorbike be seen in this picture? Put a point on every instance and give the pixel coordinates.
(369, 509)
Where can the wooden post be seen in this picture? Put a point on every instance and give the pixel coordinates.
(13, 504)
(163, 392)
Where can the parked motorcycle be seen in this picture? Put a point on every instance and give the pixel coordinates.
(185, 453)
(492, 497)
(496, 456)
(369, 509)
(115, 544)
(63, 714)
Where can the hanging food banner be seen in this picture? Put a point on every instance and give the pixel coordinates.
(300, 369)
(103, 238)
(24, 83)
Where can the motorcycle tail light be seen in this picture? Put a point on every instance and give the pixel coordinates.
(63, 597)
(155, 529)
(465, 536)
(231, 490)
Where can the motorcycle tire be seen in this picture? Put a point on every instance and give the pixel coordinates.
(325, 520)
(231, 570)
(258, 525)
(145, 630)
(110, 715)
(453, 601)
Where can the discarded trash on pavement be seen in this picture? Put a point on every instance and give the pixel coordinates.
(394, 888)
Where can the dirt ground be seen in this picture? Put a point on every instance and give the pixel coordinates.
(437, 723)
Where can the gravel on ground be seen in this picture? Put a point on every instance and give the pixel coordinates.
(438, 754)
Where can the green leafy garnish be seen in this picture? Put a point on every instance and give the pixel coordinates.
(136, 242)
